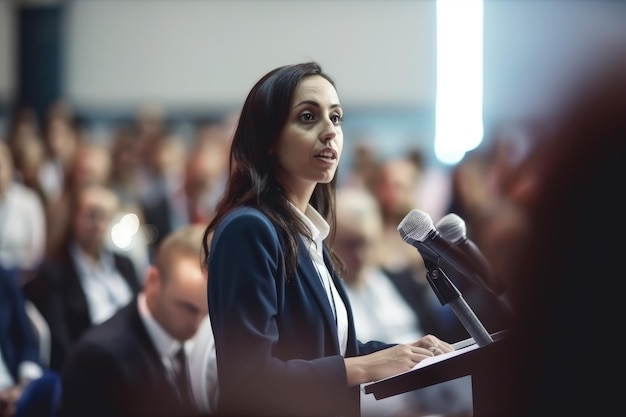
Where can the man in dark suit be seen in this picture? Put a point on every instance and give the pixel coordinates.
(85, 283)
(127, 366)
(19, 350)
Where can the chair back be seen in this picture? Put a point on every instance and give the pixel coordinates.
(42, 330)
(41, 397)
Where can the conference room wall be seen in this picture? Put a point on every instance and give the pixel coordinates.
(199, 58)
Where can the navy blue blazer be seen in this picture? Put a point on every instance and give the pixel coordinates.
(276, 340)
(58, 294)
(18, 341)
(115, 371)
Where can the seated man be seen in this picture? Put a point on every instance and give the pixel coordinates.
(85, 282)
(129, 365)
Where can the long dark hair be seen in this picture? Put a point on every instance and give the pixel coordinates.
(252, 181)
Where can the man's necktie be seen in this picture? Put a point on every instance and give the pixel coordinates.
(181, 378)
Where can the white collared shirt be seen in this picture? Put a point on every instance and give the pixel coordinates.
(166, 345)
(22, 228)
(105, 288)
(319, 231)
(200, 351)
(203, 363)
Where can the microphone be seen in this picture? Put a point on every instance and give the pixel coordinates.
(418, 230)
(452, 228)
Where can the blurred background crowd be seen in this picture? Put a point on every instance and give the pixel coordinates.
(84, 209)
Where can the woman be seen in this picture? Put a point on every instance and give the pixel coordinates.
(284, 332)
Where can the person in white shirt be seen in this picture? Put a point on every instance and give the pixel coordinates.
(22, 221)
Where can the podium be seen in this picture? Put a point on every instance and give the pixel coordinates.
(488, 367)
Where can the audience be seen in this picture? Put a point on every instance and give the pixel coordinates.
(60, 140)
(161, 176)
(206, 173)
(93, 163)
(124, 179)
(128, 365)
(395, 191)
(475, 200)
(364, 165)
(380, 312)
(84, 283)
(22, 221)
(19, 350)
(28, 155)
(433, 188)
(90, 163)
(470, 196)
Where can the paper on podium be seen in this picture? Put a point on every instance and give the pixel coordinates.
(444, 356)
(434, 359)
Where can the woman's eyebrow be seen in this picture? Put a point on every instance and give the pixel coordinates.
(316, 104)
(309, 102)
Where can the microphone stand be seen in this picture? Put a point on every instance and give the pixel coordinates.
(447, 293)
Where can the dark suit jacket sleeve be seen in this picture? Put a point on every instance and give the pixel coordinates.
(50, 294)
(268, 362)
(90, 396)
(116, 371)
(17, 338)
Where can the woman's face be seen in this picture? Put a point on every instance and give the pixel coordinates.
(310, 144)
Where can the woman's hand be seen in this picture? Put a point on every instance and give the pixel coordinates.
(394, 360)
(434, 344)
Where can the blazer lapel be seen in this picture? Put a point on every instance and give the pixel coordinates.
(76, 298)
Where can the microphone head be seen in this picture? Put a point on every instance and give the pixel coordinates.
(416, 225)
(452, 227)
